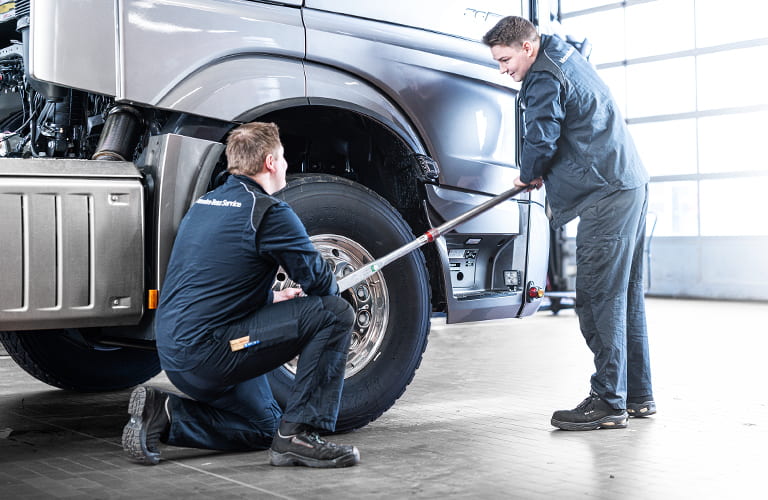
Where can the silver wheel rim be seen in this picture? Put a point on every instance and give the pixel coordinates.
(369, 299)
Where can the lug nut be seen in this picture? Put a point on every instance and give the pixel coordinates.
(363, 319)
(363, 293)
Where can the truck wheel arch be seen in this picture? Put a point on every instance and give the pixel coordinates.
(245, 88)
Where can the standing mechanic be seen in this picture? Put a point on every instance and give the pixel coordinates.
(218, 288)
(578, 144)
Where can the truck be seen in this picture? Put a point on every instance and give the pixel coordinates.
(394, 118)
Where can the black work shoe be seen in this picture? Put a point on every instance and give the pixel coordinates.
(308, 449)
(644, 409)
(149, 422)
(592, 413)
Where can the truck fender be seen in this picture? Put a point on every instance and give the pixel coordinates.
(243, 88)
(225, 88)
(336, 88)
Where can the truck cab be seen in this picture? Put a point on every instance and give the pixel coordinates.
(394, 119)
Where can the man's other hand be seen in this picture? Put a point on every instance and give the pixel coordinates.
(286, 294)
(534, 184)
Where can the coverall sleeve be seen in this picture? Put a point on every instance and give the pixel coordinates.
(283, 238)
(544, 116)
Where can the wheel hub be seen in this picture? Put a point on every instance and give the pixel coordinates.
(369, 299)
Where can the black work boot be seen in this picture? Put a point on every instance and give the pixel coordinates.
(592, 413)
(308, 449)
(149, 424)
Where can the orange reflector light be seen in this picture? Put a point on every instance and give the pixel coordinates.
(152, 299)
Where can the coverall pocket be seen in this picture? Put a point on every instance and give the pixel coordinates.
(601, 270)
(273, 334)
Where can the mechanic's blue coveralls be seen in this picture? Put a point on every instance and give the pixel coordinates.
(577, 141)
(217, 288)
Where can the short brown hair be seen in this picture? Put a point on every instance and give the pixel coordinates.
(248, 146)
(511, 30)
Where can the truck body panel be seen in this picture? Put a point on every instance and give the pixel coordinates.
(468, 125)
(418, 70)
(69, 60)
(470, 20)
(63, 264)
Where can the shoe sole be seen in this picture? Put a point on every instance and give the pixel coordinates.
(609, 422)
(642, 410)
(134, 432)
(288, 459)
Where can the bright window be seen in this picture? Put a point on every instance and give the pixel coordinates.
(734, 207)
(575, 5)
(668, 147)
(719, 22)
(675, 207)
(728, 143)
(661, 87)
(688, 76)
(605, 30)
(732, 78)
(663, 27)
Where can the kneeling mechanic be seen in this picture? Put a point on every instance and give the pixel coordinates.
(218, 289)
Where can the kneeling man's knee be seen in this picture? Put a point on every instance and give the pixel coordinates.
(339, 308)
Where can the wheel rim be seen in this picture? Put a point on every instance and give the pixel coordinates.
(369, 299)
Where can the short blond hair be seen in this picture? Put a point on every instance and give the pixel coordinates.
(249, 145)
(510, 31)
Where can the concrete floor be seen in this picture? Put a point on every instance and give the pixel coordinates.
(473, 424)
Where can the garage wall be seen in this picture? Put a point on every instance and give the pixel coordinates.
(690, 78)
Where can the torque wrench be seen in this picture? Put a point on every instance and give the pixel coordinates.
(430, 235)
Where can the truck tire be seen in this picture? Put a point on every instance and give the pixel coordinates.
(61, 358)
(351, 225)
